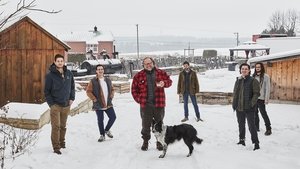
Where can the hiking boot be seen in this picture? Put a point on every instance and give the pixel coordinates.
(256, 146)
(102, 138)
(268, 132)
(57, 152)
(145, 146)
(159, 146)
(185, 119)
(63, 145)
(242, 142)
(199, 119)
(108, 133)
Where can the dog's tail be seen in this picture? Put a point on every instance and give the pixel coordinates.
(198, 140)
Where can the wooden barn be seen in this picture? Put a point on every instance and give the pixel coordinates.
(26, 52)
(284, 71)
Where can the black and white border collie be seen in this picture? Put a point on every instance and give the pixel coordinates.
(168, 134)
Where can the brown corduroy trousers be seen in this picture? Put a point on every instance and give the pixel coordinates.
(58, 115)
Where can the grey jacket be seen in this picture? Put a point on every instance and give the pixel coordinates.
(264, 87)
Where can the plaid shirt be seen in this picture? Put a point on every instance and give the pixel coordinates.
(139, 87)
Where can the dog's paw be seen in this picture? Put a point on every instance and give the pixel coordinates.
(162, 156)
(188, 155)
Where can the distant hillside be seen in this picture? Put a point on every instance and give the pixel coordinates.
(164, 43)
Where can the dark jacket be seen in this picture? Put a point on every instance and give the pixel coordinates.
(58, 89)
(139, 87)
(245, 93)
(193, 80)
(94, 92)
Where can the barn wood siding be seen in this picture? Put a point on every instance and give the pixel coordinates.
(285, 79)
(26, 52)
(3, 61)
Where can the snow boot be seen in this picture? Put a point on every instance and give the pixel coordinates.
(57, 152)
(268, 132)
(256, 146)
(242, 142)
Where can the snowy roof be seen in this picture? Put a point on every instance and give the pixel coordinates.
(103, 62)
(249, 43)
(90, 37)
(276, 56)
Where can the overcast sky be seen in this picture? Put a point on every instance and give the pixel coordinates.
(200, 18)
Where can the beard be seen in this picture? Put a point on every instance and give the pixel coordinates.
(187, 69)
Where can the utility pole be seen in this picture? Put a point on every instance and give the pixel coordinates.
(237, 42)
(237, 38)
(137, 41)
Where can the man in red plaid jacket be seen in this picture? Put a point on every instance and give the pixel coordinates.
(148, 90)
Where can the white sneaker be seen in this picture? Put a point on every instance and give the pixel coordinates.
(108, 133)
(102, 138)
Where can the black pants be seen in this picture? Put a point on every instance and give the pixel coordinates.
(262, 109)
(148, 113)
(241, 118)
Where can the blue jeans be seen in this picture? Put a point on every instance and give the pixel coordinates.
(194, 102)
(111, 119)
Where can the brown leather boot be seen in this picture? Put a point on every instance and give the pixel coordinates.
(159, 146)
(268, 132)
(57, 152)
(62, 145)
(145, 146)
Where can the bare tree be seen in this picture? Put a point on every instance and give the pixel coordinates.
(14, 141)
(291, 21)
(276, 21)
(283, 23)
(23, 6)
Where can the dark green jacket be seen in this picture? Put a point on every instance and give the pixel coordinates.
(245, 93)
(194, 84)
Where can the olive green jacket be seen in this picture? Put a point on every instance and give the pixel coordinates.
(245, 94)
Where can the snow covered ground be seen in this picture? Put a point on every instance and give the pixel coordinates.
(219, 131)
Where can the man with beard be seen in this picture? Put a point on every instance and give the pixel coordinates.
(264, 81)
(59, 93)
(148, 90)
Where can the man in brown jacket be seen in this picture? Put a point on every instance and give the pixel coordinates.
(188, 85)
(101, 91)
